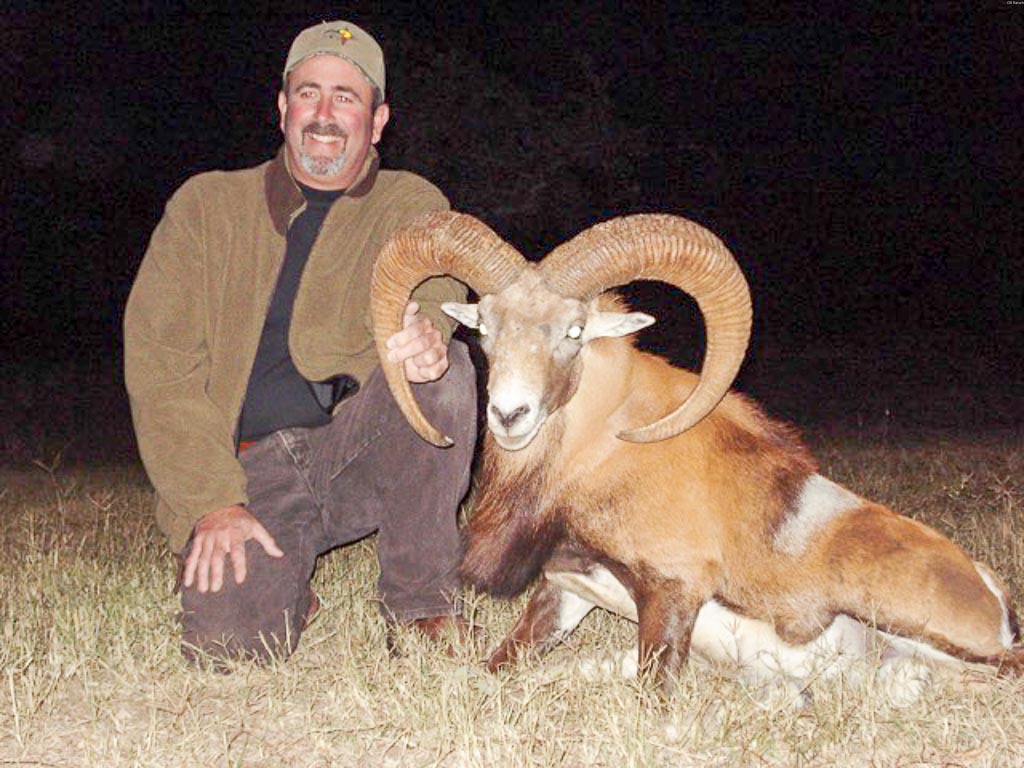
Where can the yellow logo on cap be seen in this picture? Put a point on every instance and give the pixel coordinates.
(344, 35)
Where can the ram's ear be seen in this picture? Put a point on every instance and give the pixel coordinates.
(467, 314)
(601, 324)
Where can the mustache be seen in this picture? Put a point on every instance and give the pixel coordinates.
(325, 129)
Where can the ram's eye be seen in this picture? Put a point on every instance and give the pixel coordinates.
(482, 329)
(575, 331)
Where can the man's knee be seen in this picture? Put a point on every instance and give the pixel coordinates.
(451, 401)
(460, 366)
(260, 619)
(212, 631)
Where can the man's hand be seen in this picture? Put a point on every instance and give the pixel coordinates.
(221, 534)
(420, 346)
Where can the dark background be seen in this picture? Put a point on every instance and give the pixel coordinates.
(863, 163)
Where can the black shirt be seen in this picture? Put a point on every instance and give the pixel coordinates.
(278, 396)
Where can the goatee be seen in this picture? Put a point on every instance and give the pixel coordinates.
(322, 166)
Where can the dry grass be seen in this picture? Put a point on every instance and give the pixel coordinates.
(90, 672)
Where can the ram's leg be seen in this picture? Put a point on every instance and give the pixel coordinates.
(667, 614)
(914, 582)
(550, 615)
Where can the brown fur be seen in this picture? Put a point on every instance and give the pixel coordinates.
(507, 542)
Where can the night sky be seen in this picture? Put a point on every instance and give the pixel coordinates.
(865, 165)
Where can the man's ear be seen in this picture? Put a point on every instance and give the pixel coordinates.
(467, 314)
(602, 324)
(282, 107)
(381, 115)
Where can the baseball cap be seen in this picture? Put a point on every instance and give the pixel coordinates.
(340, 38)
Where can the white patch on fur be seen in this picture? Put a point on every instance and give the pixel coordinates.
(722, 636)
(599, 587)
(902, 679)
(905, 646)
(1005, 632)
(820, 502)
(572, 609)
(622, 664)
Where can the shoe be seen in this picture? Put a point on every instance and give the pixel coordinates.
(312, 611)
(449, 631)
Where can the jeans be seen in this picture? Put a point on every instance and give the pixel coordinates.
(316, 489)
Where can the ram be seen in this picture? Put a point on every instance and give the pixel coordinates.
(630, 484)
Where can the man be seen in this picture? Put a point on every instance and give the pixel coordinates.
(260, 410)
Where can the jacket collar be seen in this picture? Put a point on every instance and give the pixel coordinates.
(284, 198)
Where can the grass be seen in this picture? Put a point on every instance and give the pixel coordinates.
(90, 672)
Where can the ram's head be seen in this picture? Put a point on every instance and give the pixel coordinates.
(534, 318)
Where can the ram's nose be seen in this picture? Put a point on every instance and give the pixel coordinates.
(508, 419)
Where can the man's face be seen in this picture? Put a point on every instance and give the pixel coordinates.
(328, 121)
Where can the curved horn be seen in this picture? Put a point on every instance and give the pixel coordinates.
(439, 243)
(684, 254)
